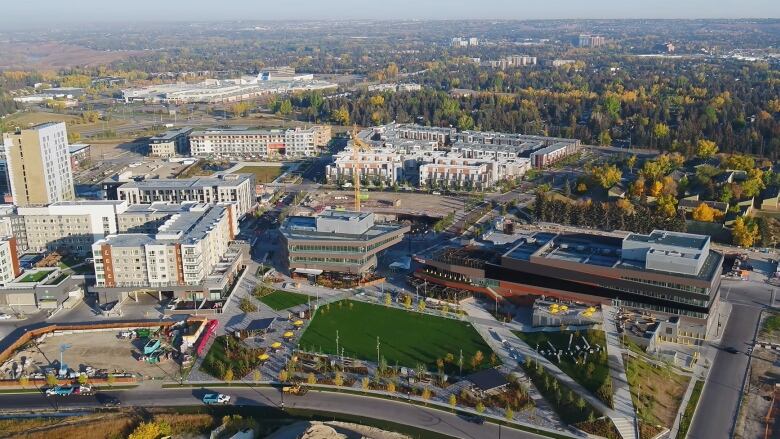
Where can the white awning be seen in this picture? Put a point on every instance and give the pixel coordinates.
(311, 271)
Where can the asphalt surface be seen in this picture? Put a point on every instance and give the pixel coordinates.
(399, 412)
(717, 410)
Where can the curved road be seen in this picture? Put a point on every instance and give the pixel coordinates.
(399, 412)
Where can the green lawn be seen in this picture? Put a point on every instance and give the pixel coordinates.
(592, 373)
(279, 300)
(406, 338)
(36, 276)
(690, 409)
(263, 174)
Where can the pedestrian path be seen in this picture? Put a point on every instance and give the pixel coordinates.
(625, 419)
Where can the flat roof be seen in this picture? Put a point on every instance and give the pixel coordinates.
(676, 239)
(170, 134)
(487, 379)
(598, 250)
(185, 183)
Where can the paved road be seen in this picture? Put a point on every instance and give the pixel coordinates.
(719, 401)
(402, 413)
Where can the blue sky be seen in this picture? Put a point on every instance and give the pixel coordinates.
(21, 12)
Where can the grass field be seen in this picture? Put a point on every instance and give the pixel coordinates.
(593, 373)
(406, 338)
(279, 300)
(263, 174)
(75, 123)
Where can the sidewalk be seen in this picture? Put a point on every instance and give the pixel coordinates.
(621, 395)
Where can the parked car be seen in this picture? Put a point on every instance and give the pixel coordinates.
(5, 316)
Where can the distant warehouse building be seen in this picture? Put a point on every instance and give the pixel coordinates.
(667, 274)
(227, 188)
(170, 143)
(298, 142)
(337, 241)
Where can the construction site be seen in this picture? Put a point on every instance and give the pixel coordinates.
(129, 352)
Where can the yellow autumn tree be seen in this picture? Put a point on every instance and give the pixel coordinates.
(744, 234)
(706, 148)
(704, 212)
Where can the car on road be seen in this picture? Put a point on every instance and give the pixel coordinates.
(474, 419)
(731, 350)
(5, 316)
(216, 398)
(107, 400)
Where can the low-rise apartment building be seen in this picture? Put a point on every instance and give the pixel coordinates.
(225, 188)
(69, 227)
(170, 143)
(434, 157)
(298, 142)
(553, 153)
(190, 253)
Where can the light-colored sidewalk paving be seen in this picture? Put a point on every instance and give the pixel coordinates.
(621, 395)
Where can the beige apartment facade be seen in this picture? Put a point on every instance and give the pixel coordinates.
(39, 165)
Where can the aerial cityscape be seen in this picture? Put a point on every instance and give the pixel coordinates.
(327, 220)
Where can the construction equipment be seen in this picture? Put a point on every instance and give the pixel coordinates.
(295, 389)
(358, 146)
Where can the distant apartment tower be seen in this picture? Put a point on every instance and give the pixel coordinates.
(38, 164)
(587, 40)
(464, 42)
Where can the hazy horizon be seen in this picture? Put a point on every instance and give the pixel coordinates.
(37, 12)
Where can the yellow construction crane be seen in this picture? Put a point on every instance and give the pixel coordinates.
(357, 147)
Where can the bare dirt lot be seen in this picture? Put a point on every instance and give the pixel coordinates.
(407, 203)
(764, 373)
(100, 350)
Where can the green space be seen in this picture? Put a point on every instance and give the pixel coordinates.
(690, 409)
(263, 174)
(573, 409)
(770, 328)
(36, 276)
(229, 359)
(591, 369)
(405, 338)
(279, 300)
(204, 168)
(656, 392)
